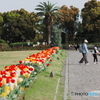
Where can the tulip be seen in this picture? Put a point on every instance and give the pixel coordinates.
(22, 88)
(3, 94)
(6, 88)
(19, 80)
(27, 75)
(11, 88)
(15, 84)
(0, 78)
(12, 80)
(4, 81)
(1, 84)
(31, 69)
(8, 80)
(7, 91)
(47, 64)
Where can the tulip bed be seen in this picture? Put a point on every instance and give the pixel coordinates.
(15, 78)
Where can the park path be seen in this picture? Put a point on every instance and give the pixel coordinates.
(81, 79)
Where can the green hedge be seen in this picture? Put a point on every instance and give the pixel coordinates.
(20, 44)
(2, 41)
(16, 48)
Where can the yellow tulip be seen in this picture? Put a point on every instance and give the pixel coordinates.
(19, 80)
(7, 92)
(6, 88)
(3, 94)
(4, 81)
(25, 69)
(11, 88)
(22, 88)
(15, 85)
(27, 75)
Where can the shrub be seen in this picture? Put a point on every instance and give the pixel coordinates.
(2, 41)
(20, 44)
(3, 46)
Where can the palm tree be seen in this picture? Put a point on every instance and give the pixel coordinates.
(48, 11)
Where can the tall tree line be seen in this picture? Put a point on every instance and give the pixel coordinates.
(90, 26)
(20, 25)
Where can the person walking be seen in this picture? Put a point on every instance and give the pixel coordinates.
(95, 52)
(84, 53)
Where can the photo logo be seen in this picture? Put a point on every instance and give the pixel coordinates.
(84, 94)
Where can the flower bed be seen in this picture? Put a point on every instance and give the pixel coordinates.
(15, 78)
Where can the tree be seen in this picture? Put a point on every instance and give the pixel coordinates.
(1, 24)
(9, 27)
(49, 11)
(69, 21)
(56, 36)
(91, 20)
(19, 25)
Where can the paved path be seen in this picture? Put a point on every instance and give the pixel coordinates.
(81, 78)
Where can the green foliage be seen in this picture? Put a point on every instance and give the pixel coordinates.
(50, 11)
(1, 19)
(12, 15)
(38, 38)
(43, 83)
(69, 21)
(56, 37)
(91, 21)
(19, 25)
(2, 41)
(20, 44)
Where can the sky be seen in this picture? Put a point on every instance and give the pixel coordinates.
(30, 5)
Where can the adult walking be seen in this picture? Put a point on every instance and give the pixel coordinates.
(84, 52)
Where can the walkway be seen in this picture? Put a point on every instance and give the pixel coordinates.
(81, 80)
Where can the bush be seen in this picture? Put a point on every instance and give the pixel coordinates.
(39, 47)
(20, 44)
(26, 44)
(2, 41)
(3, 46)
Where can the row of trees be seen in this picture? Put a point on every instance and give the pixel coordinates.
(90, 26)
(20, 25)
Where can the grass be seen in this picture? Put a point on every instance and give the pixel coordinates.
(12, 57)
(43, 87)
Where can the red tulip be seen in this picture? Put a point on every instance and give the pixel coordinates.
(3, 72)
(22, 72)
(1, 84)
(8, 80)
(48, 64)
(12, 80)
(31, 69)
(13, 74)
(20, 61)
(50, 59)
(0, 78)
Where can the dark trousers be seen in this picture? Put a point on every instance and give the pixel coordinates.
(95, 58)
(84, 58)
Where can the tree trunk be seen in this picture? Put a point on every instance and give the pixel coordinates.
(48, 23)
(48, 28)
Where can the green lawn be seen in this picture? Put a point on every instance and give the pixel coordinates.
(43, 87)
(12, 57)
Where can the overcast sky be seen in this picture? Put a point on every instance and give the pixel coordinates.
(30, 5)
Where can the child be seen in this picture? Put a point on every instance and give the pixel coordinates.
(95, 53)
